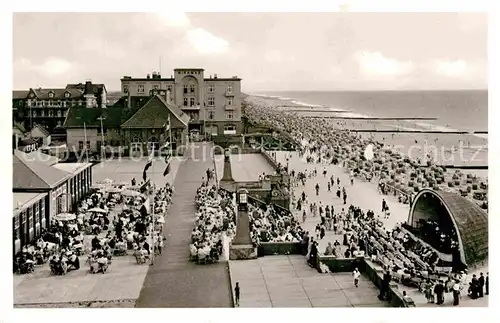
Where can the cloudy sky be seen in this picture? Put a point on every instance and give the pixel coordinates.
(270, 51)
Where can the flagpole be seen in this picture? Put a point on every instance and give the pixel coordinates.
(85, 136)
(153, 211)
(170, 134)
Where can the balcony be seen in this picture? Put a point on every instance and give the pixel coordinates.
(228, 107)
(190, 108)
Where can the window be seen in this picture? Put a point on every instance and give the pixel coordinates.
(169, 88)
(229, 115)
(80, 145)
(99, 144)
(30, 215)
(104, 131)
(59, 124)
(191, 88)
(185, 89)
(67, 94)
(37, 213)
(140, 88)
(80, 103)
(51, 113)
(191, 102)
(125, 89)
(42, 208)
(33, 113)
(185, 102)
(42, 113)
(51, 103)
(23, 217)
(211, 101)
(16, 222)
(156, 86)
(51, 94)
(59, 113)
(229, 89)
(88, 145)
(229, 130)
(39, 104)
(229, 101)
(211, 115)
(211, 89)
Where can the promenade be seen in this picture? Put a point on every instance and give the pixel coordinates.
(173, 281)
(245, 167)
(364, 195)
(120, 287)
(287, 281)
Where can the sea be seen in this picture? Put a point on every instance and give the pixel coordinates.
(464, 110)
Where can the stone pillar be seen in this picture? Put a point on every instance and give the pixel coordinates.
(241, 246)
(227, 181)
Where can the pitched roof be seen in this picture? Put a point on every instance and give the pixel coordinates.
(44, 131)
(43, 94)
(34, 174)
(19, 94)
(77, 116)
(23, 200)
(95, 88)
(470, 220)
(154, 113)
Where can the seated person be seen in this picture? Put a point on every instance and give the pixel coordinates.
(329, 249)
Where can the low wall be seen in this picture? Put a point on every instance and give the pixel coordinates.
(279, 248)
(374, 273)
(269, 158)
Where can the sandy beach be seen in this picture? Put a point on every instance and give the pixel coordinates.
(439, 148)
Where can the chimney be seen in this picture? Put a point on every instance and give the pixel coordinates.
(215, 75)
(148, 76)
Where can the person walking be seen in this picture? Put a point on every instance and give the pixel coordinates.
(317, 189)
(439, 290)
(487, 284)
(384, 205)
(480, 286)
(356, 275)
(237, 293)
(456, 293)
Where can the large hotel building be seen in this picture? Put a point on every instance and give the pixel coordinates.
(213, 104)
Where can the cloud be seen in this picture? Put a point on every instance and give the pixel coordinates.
(102, 47)
(51, 67)
(207, 43)
(175, 19)
(452, 68)
(376, 64)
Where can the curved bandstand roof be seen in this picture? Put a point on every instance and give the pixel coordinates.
(470, 221)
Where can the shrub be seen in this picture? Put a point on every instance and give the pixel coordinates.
(450, 184)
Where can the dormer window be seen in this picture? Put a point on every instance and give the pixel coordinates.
(51, 94)
(32, 95)
(67, 94)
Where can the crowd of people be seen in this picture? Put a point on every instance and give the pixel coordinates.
(404, 257)
(333, 143)
(215, 220)
(111, 221)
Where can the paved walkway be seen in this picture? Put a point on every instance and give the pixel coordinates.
(173, 281)
(245, 167)
(362, 194)
(287, 281)
(120, 286)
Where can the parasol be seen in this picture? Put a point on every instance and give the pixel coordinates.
(114, 190)
(160, 219)
(97, 210)
(131, 193)
(65, 217)
(105, 181)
